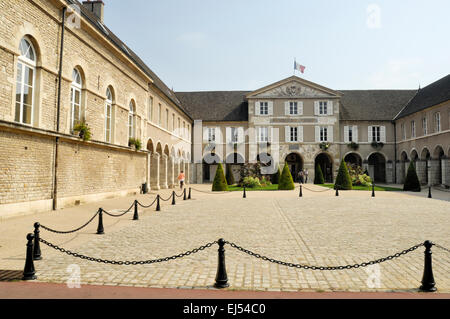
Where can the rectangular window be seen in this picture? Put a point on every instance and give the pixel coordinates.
(183, 133)
(403, 131)
(108, 123)
(150, 109)
(323, 105)
(263, 135)
(189, 132)
(323, 134)
(350, 134)
(234, 135)
(413, 129)
(437, 120)
(173, 122)
(293, 134)
(293, 108)
(76, 106)
(211, 134)
(376, 134)
(159, 115)
(425, 126)
(167, 119)
(263, 108)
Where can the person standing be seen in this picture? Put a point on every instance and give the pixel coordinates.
(181, 179)
(301, 176)
(306, 176)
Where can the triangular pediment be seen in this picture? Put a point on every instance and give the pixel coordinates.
(293, 87)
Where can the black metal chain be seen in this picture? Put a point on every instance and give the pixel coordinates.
(147, 206)
(182, 193)
(118, 215)
(165, 200)
(70, 231)
(443, 248)
(114, 262)
(322, 191)
(212, 193)
(323, 267)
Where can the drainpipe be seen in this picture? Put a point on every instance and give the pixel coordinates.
(58, 111)
(395, 152)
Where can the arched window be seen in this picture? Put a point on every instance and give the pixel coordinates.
(75, 98)
(131, 120)
(26, 74)
(108, 115)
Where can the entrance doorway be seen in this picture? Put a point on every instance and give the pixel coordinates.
(295, 164)
(377, 167)
(326, 165)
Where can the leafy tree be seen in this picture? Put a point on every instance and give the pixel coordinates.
(318, 175)
(411, 181)
(286, 182)
(220, 182)
(343, 180)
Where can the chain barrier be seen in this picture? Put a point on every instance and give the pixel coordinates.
(70, 231)
(165, 200)
(364, 264)
(182, 193)
(118, 215)
(322, 191)
(212, 193)
(114, 262)
(147, 206)
(443, 248)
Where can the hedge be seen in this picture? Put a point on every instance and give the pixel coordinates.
(286, 182)
(411, 181)
(318, 175)
(220, 182)
(343, 180)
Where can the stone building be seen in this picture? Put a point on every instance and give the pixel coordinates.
(60, 66)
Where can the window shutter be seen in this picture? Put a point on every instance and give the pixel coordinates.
(316, 108)
(205, 134)
(346, 137)
(383, 134)
(228, 133)
(270, 107)
(286, 108)
(300, 133)
(369, 134)
(287, 134)
(355, 133)
(330, 108)
(300, 108)
(256, 108)
(330, 134)
(317, 128)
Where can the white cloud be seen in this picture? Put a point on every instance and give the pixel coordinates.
(196, 40)
(397, 74)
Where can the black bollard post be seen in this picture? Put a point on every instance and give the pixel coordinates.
(184, 194)
(158, 207)
(28, 271)
(337, 191)
(373, 190)
(429, 192)
(36, 246)
(221, 275)
(136, 215)
(245, 194)
(100, 230)
(428, 284)
(301, 192)
(173, 198)
(189, 196)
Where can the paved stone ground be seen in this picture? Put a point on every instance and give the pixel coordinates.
(317, 229)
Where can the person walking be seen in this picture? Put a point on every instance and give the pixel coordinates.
(181, 179)
(306, 176)
(301, 176)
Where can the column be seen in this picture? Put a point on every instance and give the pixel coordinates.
(188, 173)
(198, 173)
(163, 172)
(400, 172)
(147, 180)
(389, 172)
(154, 172)
(171, 172)
(421, 167)
(446, 171)
(434, 172)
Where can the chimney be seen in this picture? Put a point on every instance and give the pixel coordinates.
(96, 7)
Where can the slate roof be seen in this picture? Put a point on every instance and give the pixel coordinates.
(433, 94)
(373, 105)
(95, 22)
(216, 105)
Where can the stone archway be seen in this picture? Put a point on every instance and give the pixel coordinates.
(295, 163)
(325, 162)
(438, 156)
(210, 162)
(377, 167)
(353, 158)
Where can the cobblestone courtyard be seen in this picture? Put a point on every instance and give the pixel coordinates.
(317, 229)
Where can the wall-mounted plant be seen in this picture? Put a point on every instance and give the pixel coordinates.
(82, 130)
(377, 145)
(324, 146)
(354, 146)
(135, 142)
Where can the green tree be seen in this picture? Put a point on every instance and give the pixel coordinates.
(230, 176)
(411, 181)
(318, 175)
(343, 180)
(220, 182)
(286, 182)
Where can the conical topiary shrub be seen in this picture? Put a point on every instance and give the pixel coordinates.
(343, 180)
(286, 182)
(220, 182)
(318, 176)
(276, 176)
(411, 181)
(230, 176)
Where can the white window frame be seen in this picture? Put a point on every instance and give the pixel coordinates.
(376, 133)
(323, 134)
(159, 114)
(25, 62)
(234, 134)
(211, 134)
(150, 109)
(323, 107)
(264, 106)
(425, 125)
(403, 131)
(131, 121)
(350, 133)
(413, 129)
(293, 134)
(293, 108)
(437, 120)
(108, 106)
(75, 89)
(263, 134)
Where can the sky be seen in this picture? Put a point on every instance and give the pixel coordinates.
(212, 45)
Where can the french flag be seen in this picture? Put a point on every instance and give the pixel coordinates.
(299, 67)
